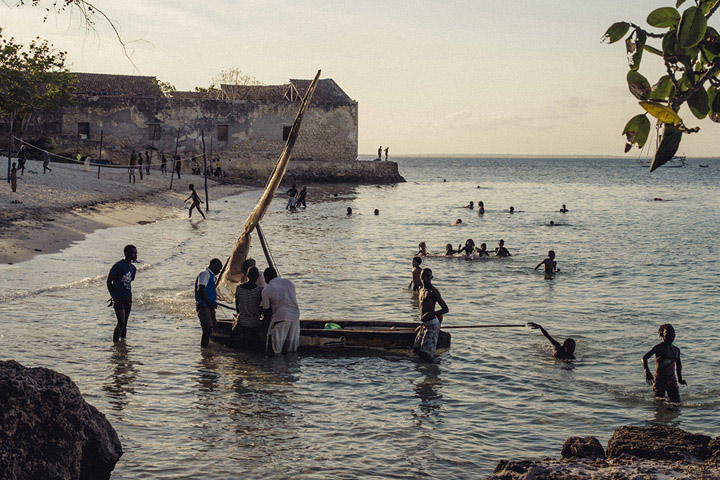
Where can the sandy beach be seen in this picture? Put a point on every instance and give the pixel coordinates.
(50, 211)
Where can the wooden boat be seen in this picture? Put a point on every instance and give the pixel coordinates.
(394, 337)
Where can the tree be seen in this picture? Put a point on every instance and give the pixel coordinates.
(232, 76)
(690, 51)
(32, 80)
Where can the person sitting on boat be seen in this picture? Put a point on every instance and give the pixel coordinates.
(416, 283)
(566, 350)
(427, 336)
(206, 299)
(482, 251)
(468, 248)
(449, 250)
(248, 324)
(564, 209)
(422, 250)
(246, 265)
(279, 304)
(501, 251)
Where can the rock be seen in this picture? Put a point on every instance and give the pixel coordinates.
(582, 447)
(48, 431)
(662, 443)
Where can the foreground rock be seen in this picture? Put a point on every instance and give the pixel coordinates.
(48, 431)
(633, 453)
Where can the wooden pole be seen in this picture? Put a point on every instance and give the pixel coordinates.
(207, 199)
(484, 326)
(266, 250)
(100, 156)
(174, 159)
(10, 144)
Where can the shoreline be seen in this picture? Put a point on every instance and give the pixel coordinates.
(50, 212)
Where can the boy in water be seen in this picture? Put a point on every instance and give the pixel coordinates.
(566, 350)
(550, 263)
(667, 360)
(469, 247)
(195, 202)
(422, 250)
(427, 336)
(482, 251)
(501, 251)
(449, 251)
(416, 283)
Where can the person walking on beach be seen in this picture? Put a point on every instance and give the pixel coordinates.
(566, 350)
(119, 285)
(195, 202)
(279, 304)
(206, 299)
(291, 193)
(386, 152)
(46, 161)
(301, 198)
(140, 164)
(21, 159)
(163, 164)
(131, 167)
(427, 336)
(13, 177)
(178, 166)
(667, 360)
(147, 162)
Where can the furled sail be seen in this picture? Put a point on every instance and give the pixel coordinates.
(232, 274)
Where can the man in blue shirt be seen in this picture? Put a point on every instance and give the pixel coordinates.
(206, 299)
(119, 285)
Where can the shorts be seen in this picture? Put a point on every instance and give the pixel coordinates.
(206, 316)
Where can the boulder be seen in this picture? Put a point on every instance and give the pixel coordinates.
(582, 447)
(48, 431)
(661, 443)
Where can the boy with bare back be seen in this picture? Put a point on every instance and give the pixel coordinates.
(427, 336)
(550, 263)
(416, 282)
(195, 202)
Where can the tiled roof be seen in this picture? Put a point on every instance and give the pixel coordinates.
(102, 84)
(275, 93)
(327, 91)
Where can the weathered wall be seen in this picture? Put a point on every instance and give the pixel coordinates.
(255, 128)
(300, 171)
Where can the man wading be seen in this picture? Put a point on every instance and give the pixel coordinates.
(119, 285)
(206, 299)
(427, 337)
(279, 303)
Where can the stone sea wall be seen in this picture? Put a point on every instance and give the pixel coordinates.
(300, 171)
(633, 453)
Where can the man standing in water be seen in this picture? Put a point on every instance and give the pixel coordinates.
(206, 299)
(119, 285)
(279, 303)
(427, 337)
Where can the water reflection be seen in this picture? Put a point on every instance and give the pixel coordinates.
(427, 389)
(119, 386)
(666, 414)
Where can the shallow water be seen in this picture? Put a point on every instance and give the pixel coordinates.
(628, 264)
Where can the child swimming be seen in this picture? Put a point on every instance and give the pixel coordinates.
(449, 250)
(550, 263)
(422, 250)
(667, 360)
(566, 350)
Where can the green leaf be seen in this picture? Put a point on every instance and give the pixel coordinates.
(654, 50)
(662, 112)
(699, 104)
(670, 45)
(663, 17)
(678, 3)
(668, 147)
(643, 132)
(639, 85)
(615, 32)
(707, 5)
(692, 27)
(662, 89)
(714, 101)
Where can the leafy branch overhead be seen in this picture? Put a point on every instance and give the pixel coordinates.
(690, 51)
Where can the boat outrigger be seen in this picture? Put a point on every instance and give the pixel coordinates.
(314, 334)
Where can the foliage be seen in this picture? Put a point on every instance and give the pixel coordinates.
(232, 76)
(166, 88)
(33, 79)
(690, 51)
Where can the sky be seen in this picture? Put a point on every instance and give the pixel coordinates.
(487, 77)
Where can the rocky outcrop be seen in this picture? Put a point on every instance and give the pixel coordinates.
(633, 453)
(48, 431)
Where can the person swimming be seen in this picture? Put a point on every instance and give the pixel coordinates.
(422, 250)
(468, 248)
(481, 208)
(550, 263)
(501, 251)
(482, 251)
(349, 211)
(449, 250)
(470, 205)
(376, 212)
(564, 209)
(564, 351)
(512, 209)
(458, 222)
(552, 224)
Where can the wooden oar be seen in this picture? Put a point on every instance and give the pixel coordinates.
(226, 306)
(484, 326)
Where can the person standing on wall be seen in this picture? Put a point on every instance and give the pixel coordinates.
(206, 299)
(386, 152)
(380, 152)
(119, 285)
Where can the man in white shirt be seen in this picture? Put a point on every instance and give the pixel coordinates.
(280, 304)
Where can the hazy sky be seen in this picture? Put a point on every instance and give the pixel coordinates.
(445, 77)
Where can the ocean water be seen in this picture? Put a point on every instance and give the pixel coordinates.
(628, 264)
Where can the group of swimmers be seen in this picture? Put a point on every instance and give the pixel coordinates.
(481, 208)
(468, 249)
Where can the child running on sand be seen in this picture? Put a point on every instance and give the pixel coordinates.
(565, 351)
(550, 263)
(195, 202)
(667, 360)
